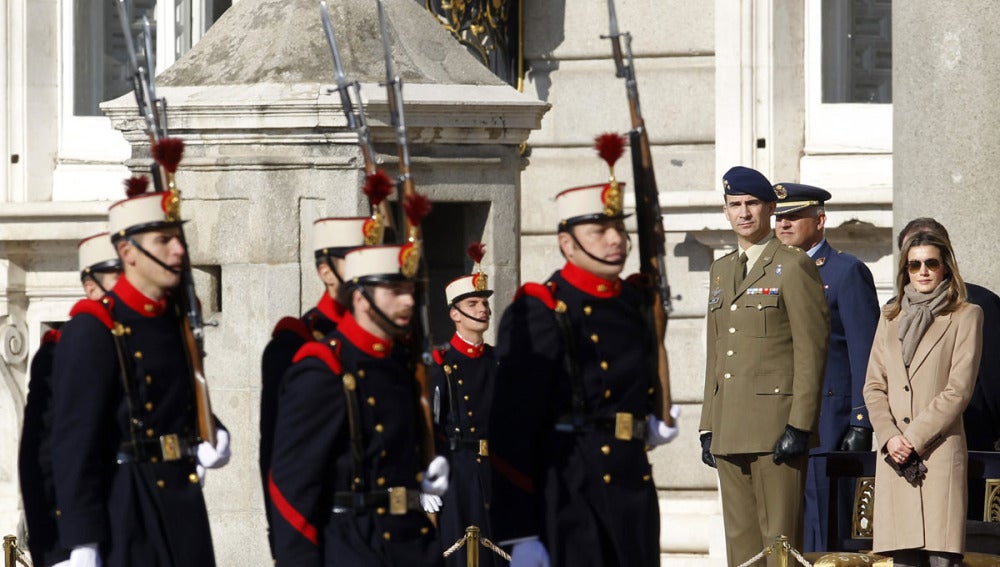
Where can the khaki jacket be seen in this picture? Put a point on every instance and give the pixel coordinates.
(767, 346)
(924, 403)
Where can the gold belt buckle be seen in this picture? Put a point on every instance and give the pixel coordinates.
(484, 448)
(170, 446)
(623, 426)
(397, 501)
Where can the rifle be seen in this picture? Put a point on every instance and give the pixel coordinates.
(350, 91)
(652, 249)
(167, 154)
(416, 206)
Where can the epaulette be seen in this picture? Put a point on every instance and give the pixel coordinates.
(51, 336)
(101, 310)
(437, 353)
(292, 325)
(546, 293)
(321, 351)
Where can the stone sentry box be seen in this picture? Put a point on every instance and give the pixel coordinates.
(268, 152)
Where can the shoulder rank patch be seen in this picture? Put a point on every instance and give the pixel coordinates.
(762, 291)
(94, 308)
(320, 351)
(292, 325)
(544, 293)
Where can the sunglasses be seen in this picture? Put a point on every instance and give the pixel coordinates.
(933, 264)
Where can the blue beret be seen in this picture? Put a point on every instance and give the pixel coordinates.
(745, 181)
(796, 196)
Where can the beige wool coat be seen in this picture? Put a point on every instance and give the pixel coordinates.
(924, 403)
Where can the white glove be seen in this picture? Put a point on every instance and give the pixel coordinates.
(85, 556)
(62, 564)
(529, 553)
(436, 477)
(215, 457)
(200, 471)
(659, 433)
(431, 503)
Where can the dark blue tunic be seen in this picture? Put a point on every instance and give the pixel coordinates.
(287, 338)
(35, 460)
(854, 311)
(462, 382)
(141, 513)
(589, 496)
(312, 458)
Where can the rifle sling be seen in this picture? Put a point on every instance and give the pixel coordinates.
(357, 439)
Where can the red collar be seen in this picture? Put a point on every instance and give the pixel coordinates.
(329, 307)
(367, 342)
(589, 283)
(465, 347)
(137, 301)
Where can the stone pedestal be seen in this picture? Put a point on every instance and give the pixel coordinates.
(268, 152)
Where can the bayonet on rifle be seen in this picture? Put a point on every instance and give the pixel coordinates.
(407, 193)
(649, 219)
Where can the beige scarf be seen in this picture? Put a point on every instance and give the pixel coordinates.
(918, 312)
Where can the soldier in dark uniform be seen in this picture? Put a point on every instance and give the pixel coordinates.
(332, 238)
(768, 334)
(345, 472)
(850, 294)
(99, 269)
(462, 382)
(981, 418)
(124, 442)
(573, 401)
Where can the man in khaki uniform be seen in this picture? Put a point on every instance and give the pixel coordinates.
(768, 333)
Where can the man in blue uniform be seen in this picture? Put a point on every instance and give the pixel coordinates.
(345, 473)
(462, 382)
(124, 438)
(800, 220)
(99, 269)
(573, 401)
(982, 416)
(332, 238)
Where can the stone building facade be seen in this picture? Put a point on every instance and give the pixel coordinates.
(722, 83)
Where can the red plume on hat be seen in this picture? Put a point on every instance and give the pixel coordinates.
(476, 251)
(417, 206)
(377, 187)
(610, 146)
(168, 153)
(136, 185)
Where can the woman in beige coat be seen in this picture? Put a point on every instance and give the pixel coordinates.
(920, 377)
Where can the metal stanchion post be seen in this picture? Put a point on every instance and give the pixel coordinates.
(472, 546)
(781, 546)
(9, 551)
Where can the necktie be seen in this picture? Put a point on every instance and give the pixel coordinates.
(741, 270)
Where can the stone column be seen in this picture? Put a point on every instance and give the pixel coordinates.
(268, 152)
(946, 125)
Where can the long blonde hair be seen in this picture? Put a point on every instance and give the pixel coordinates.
(956, 292)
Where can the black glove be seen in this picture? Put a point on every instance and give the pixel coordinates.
(792, 443)
(856, 439)
(706, 449)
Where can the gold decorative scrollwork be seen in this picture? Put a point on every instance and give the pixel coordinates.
(991, 511)
(864, 508)
(490, 29)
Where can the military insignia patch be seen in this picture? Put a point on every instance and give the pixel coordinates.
(763, 291)
(820, 262)
(780, 191)
(716, 296)
(777, 271)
